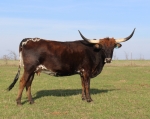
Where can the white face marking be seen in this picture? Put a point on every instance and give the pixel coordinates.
(106, 61)
(32, 39)
(43, 69)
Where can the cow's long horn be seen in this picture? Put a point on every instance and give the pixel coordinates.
(88, 40)
(125, 39)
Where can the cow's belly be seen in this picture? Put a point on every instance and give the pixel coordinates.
(43, 69)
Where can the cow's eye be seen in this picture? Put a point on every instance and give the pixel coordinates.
(118, 45)
(100, 46)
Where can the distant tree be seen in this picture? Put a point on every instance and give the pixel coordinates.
(141, 57)
(126, 55)
(115, 56)
(12, 55)
(6, 58)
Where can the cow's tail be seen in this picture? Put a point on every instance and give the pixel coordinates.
(18, 73)
(15, 79)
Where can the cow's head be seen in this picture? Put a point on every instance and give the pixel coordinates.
(107, 45)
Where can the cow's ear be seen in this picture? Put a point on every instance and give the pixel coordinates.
(118, 45)
(97, 46)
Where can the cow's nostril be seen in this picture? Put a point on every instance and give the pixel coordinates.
(108, 60)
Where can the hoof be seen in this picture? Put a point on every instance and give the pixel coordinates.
(89, 100)
(19, 104)
(31, 102)
(83, 98)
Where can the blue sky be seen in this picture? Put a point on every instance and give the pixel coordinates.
(61, 19)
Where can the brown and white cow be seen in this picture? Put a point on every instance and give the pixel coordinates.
(84, 57)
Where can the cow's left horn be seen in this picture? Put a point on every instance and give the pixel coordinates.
(88, 40)
(125, 39)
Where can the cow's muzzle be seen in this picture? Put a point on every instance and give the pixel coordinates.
(107, 60)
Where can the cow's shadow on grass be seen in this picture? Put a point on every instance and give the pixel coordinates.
(67, 92)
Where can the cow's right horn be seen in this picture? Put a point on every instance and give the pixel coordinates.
(88, 40)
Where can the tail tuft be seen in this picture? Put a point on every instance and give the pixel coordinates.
(15, 80)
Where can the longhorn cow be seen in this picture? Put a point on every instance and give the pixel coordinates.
(85, 57)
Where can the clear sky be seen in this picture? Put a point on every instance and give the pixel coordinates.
(61, 19)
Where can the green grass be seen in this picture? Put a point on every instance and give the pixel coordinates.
(121, 91)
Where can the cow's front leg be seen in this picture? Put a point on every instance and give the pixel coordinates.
(83, 89)
(86, 87)
(87, 90)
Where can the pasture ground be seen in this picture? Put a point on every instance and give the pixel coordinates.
(121, 91)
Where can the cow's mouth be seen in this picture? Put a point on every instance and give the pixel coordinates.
(108, 60)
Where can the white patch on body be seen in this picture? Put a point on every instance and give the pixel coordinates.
(80, 71)
(21, 59)
(43, 69)
(31, 39)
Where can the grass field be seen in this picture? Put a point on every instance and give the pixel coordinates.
(121, 91)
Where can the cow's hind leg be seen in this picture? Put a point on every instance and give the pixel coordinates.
(22, 84)
(28, 88)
